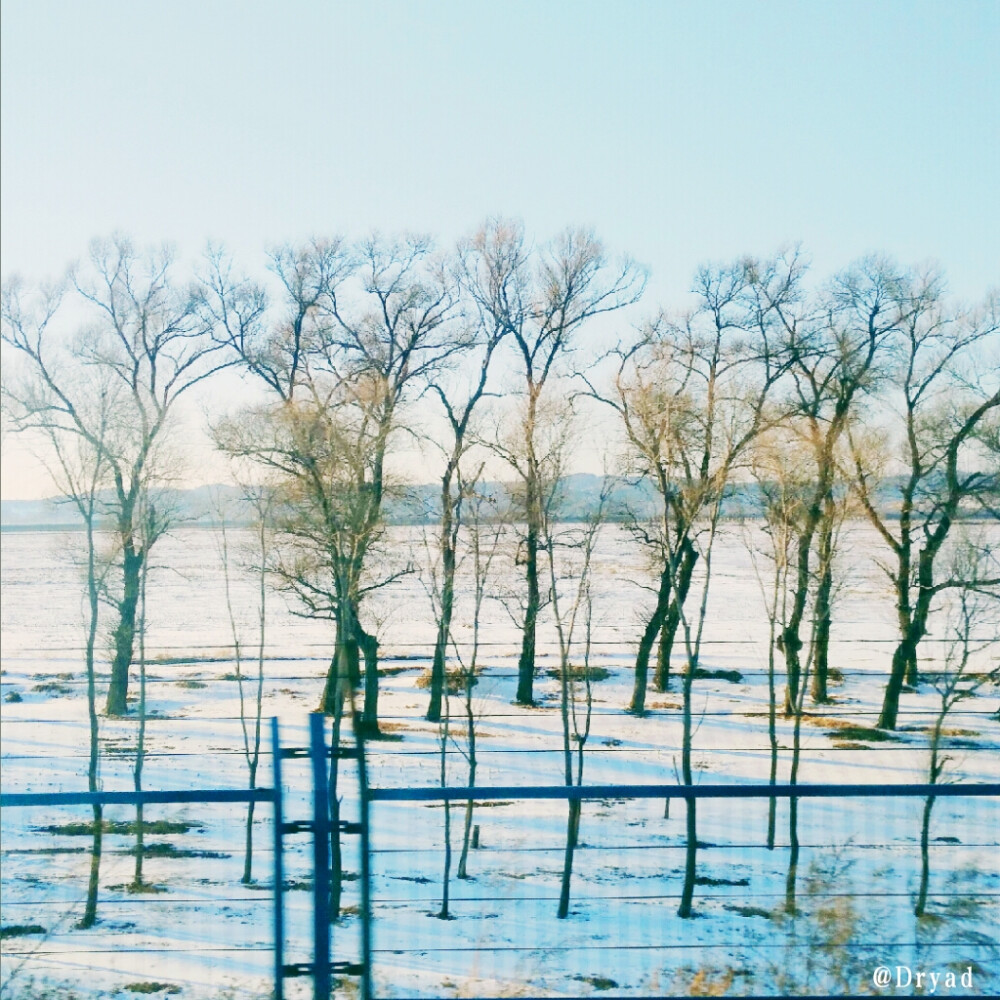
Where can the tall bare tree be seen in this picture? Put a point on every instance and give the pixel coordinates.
(79, 469)
(692, 394)
(944, 398)
(543, 299)
(145, 329)
(569, 611)
(782, 479)
(836, 346)
(485, 526)
(973, 626)
(258, 499)
(359, 332)
(485, 334)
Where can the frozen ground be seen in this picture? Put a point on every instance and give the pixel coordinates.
(206, 935)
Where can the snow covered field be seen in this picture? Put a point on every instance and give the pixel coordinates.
(206, 935)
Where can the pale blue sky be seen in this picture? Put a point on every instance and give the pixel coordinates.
(682, 132)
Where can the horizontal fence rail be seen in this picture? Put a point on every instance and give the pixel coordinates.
(187, 795)
(487, 793)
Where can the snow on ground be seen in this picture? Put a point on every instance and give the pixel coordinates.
(206, 935)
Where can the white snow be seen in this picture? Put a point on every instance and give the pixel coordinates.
(209, 936)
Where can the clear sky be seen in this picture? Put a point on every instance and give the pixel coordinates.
(681, 131)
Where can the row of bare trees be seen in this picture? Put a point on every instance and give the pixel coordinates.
(872, 393)
(819, 400)
(875, 377)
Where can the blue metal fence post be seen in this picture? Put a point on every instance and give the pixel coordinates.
(279, 866)
(321, 858)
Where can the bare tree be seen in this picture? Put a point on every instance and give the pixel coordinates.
(943, 400)
(153, 524)
(566, 614)
(817, 612)
(692, 395)
(485, 336)
(317, 453)
(147, 332)
(542, 299)
(260, 500)
(972, 628)
(483, 532)
(783, 483)
(485, 527)
(79, 469)
(443, 734)
(360, 331)
(440, 586)
(721, 388)
(81, 484)
(835, 347)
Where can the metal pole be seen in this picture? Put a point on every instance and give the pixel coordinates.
(279, 866)
(321, 858)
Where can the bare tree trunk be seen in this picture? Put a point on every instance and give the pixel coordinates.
(336, 849)
(793, 854)
(904, 608)
(689, 556)
(912, 670)
(906, 651)
(346, 645)
(925, 863)
(369, 647)
(440, 646)
(772, 735)
(637, 706)
(823, 608)
(791, 638)
(140, 747)
(443, 913)
(791, 641)
(254, 756)
(447, 601)
(343, 679)
(463, 861)
(691, 853)
(793, 809)
(572, 837)
(692, 648)
(93, 883)
(572, 732)
(463, 870)
(481, 567)
(251, 749)
(247, 876)
(897, 673)
(124, 634)
(526, 663)
(665, 647)
(90, 909)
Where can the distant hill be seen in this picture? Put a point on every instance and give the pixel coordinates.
(197, 506)
(421, 504)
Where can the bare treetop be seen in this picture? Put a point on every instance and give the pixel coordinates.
(149, 330)
(543, 298)
(397, 324)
